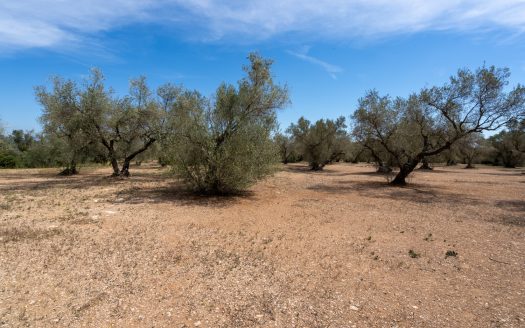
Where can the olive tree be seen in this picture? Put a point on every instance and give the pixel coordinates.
(63, 122)
(430, 122)
(510, 144)
(320, 143)
(470, 147)
(376, 116)
(123, 127)
(91, 121)
(224, 144)
(287, 148)
(8, 158)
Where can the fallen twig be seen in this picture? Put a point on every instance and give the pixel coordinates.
(490, 258)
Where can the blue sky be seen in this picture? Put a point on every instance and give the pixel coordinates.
(329, 52)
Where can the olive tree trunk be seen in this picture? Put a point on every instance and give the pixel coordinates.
(404, 171)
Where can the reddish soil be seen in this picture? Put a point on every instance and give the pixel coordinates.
(338, 248)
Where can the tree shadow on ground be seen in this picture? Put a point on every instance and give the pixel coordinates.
(513, 220)
(71, 182)
(305, 169)
(504, 172)
(513, 205)
(371, 173)
(140, 188)
(178, 194)
(414, 192)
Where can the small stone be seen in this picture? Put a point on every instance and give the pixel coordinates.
(415, 307)
(354, 308)
(197, 323)
(258, 316)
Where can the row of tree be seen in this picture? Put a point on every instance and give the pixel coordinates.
(226, 142)
(446, 122)
(327, 141)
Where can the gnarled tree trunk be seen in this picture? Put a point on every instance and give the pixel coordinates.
(469, 163)
(316, 166)
(426, 165)
(71, 169)
(125, 169)
(114, 165)
(404, 171)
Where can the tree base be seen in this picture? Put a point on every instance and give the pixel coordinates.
(384, 169)
(398, 182)
(69, 171)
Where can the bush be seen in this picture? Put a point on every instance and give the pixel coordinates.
(8, 160)
(224, 146)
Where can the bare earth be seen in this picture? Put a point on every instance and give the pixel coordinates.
(301, 249)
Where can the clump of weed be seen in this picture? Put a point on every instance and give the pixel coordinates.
(413, 254)
(369, 238)
(451, 254)
(428, 237)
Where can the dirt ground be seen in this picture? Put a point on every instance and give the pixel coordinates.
(337, 248)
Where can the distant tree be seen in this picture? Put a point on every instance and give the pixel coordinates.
(224, 145)
(6, 160)
(510, 144)
(428, 123)
(470, 147)
(425, 164)
(45, 151)
(124, 127)
(450, 156)
(22, 140)
(321, 142)
(287, 148)
(375, 124)
(63, 122)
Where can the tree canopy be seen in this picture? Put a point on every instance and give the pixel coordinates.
(431, 121)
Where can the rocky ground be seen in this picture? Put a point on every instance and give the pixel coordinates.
(337, 248)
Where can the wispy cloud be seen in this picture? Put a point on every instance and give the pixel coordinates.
(54, 23)
(331, 69)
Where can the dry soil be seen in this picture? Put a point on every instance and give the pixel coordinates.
(338, 248)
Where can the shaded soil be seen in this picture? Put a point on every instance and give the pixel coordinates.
(338, 248)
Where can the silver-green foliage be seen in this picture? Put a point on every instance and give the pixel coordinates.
(321, 142)
(224, 144)
(431, 121)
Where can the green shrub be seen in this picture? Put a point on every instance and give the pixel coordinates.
(8, 160)
(225, 145)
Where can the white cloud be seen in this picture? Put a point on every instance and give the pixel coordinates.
(51, 23)
(331, 69)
